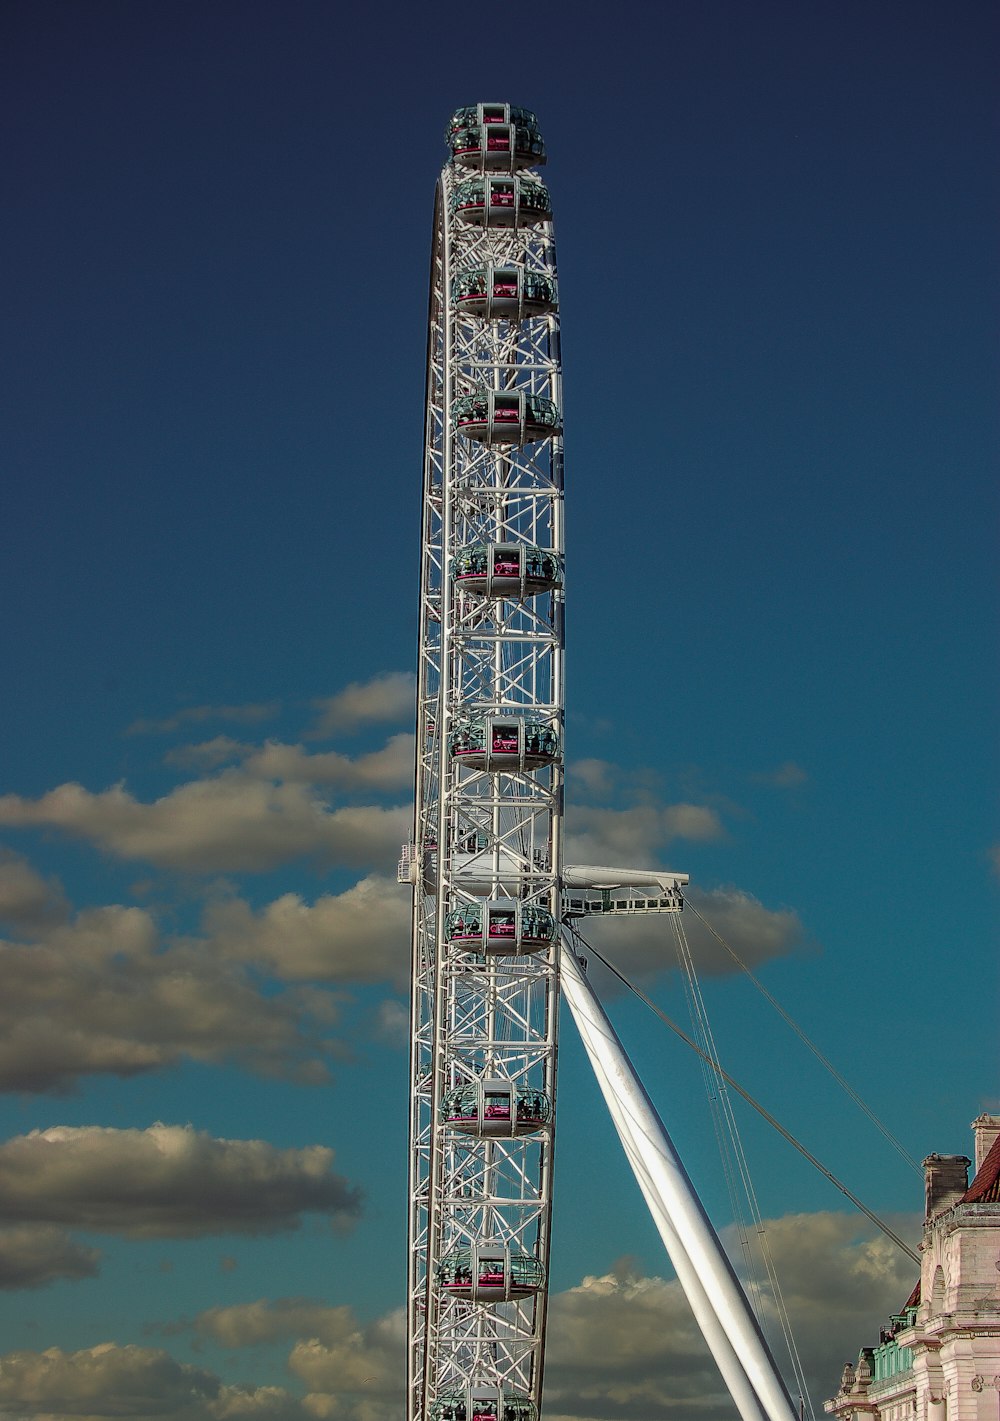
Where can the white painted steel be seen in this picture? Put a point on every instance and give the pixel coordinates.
(496, 833)
(712, 1288)
(587, 875)
(482, 833)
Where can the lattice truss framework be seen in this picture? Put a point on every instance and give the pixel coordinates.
(481, 834)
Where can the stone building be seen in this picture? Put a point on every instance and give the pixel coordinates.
(939, 1357)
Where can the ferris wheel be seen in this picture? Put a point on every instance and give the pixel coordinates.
(494, 905)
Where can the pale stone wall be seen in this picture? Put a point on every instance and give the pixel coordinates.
(985, 1128)
(955, 1338)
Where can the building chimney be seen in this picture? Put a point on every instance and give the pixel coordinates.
(946, 1178)
(985, 1128)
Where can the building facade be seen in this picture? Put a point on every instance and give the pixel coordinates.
(939, 1357)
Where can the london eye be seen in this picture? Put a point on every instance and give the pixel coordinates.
(495, 907)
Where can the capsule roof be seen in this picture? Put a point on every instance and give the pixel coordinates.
(490, 113)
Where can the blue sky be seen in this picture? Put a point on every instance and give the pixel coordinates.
(776, 229)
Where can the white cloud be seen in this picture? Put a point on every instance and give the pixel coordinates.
(390, 697)
(627, 1346)
(840, 1279)
(353, 1371)
(138, 1383)
(361, 935)
(392, 1022)
(98, 1380)
(168, 1181)
(390, 768)
(644, 946)
(277, 1320)
(231, 823)
(102, 995)
(208, 754)
(32, 1255)
(361, 1362)
(257, 1403)
(596, 777)
(787, 775)
(692, 821)
(602, 780)
(636, 836)
(26, 898)
(195, 715)
(755, 933)
(619, 1345)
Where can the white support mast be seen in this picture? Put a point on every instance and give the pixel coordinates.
(717, 1300)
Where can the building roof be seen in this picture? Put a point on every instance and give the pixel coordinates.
(985, 1188)
(913, 1299)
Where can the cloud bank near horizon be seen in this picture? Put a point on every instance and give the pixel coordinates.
(622, 1344)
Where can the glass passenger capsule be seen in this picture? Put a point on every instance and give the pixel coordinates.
(494, 1108)
(478, 1402)
(510, 292)
(506, 926)
(505, 417)
(506, 570)
(503, 742)
(491, 113)
(512, 201)
(489, 1273)
(496, 137)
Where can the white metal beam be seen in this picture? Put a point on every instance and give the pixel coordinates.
(717, 1300)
